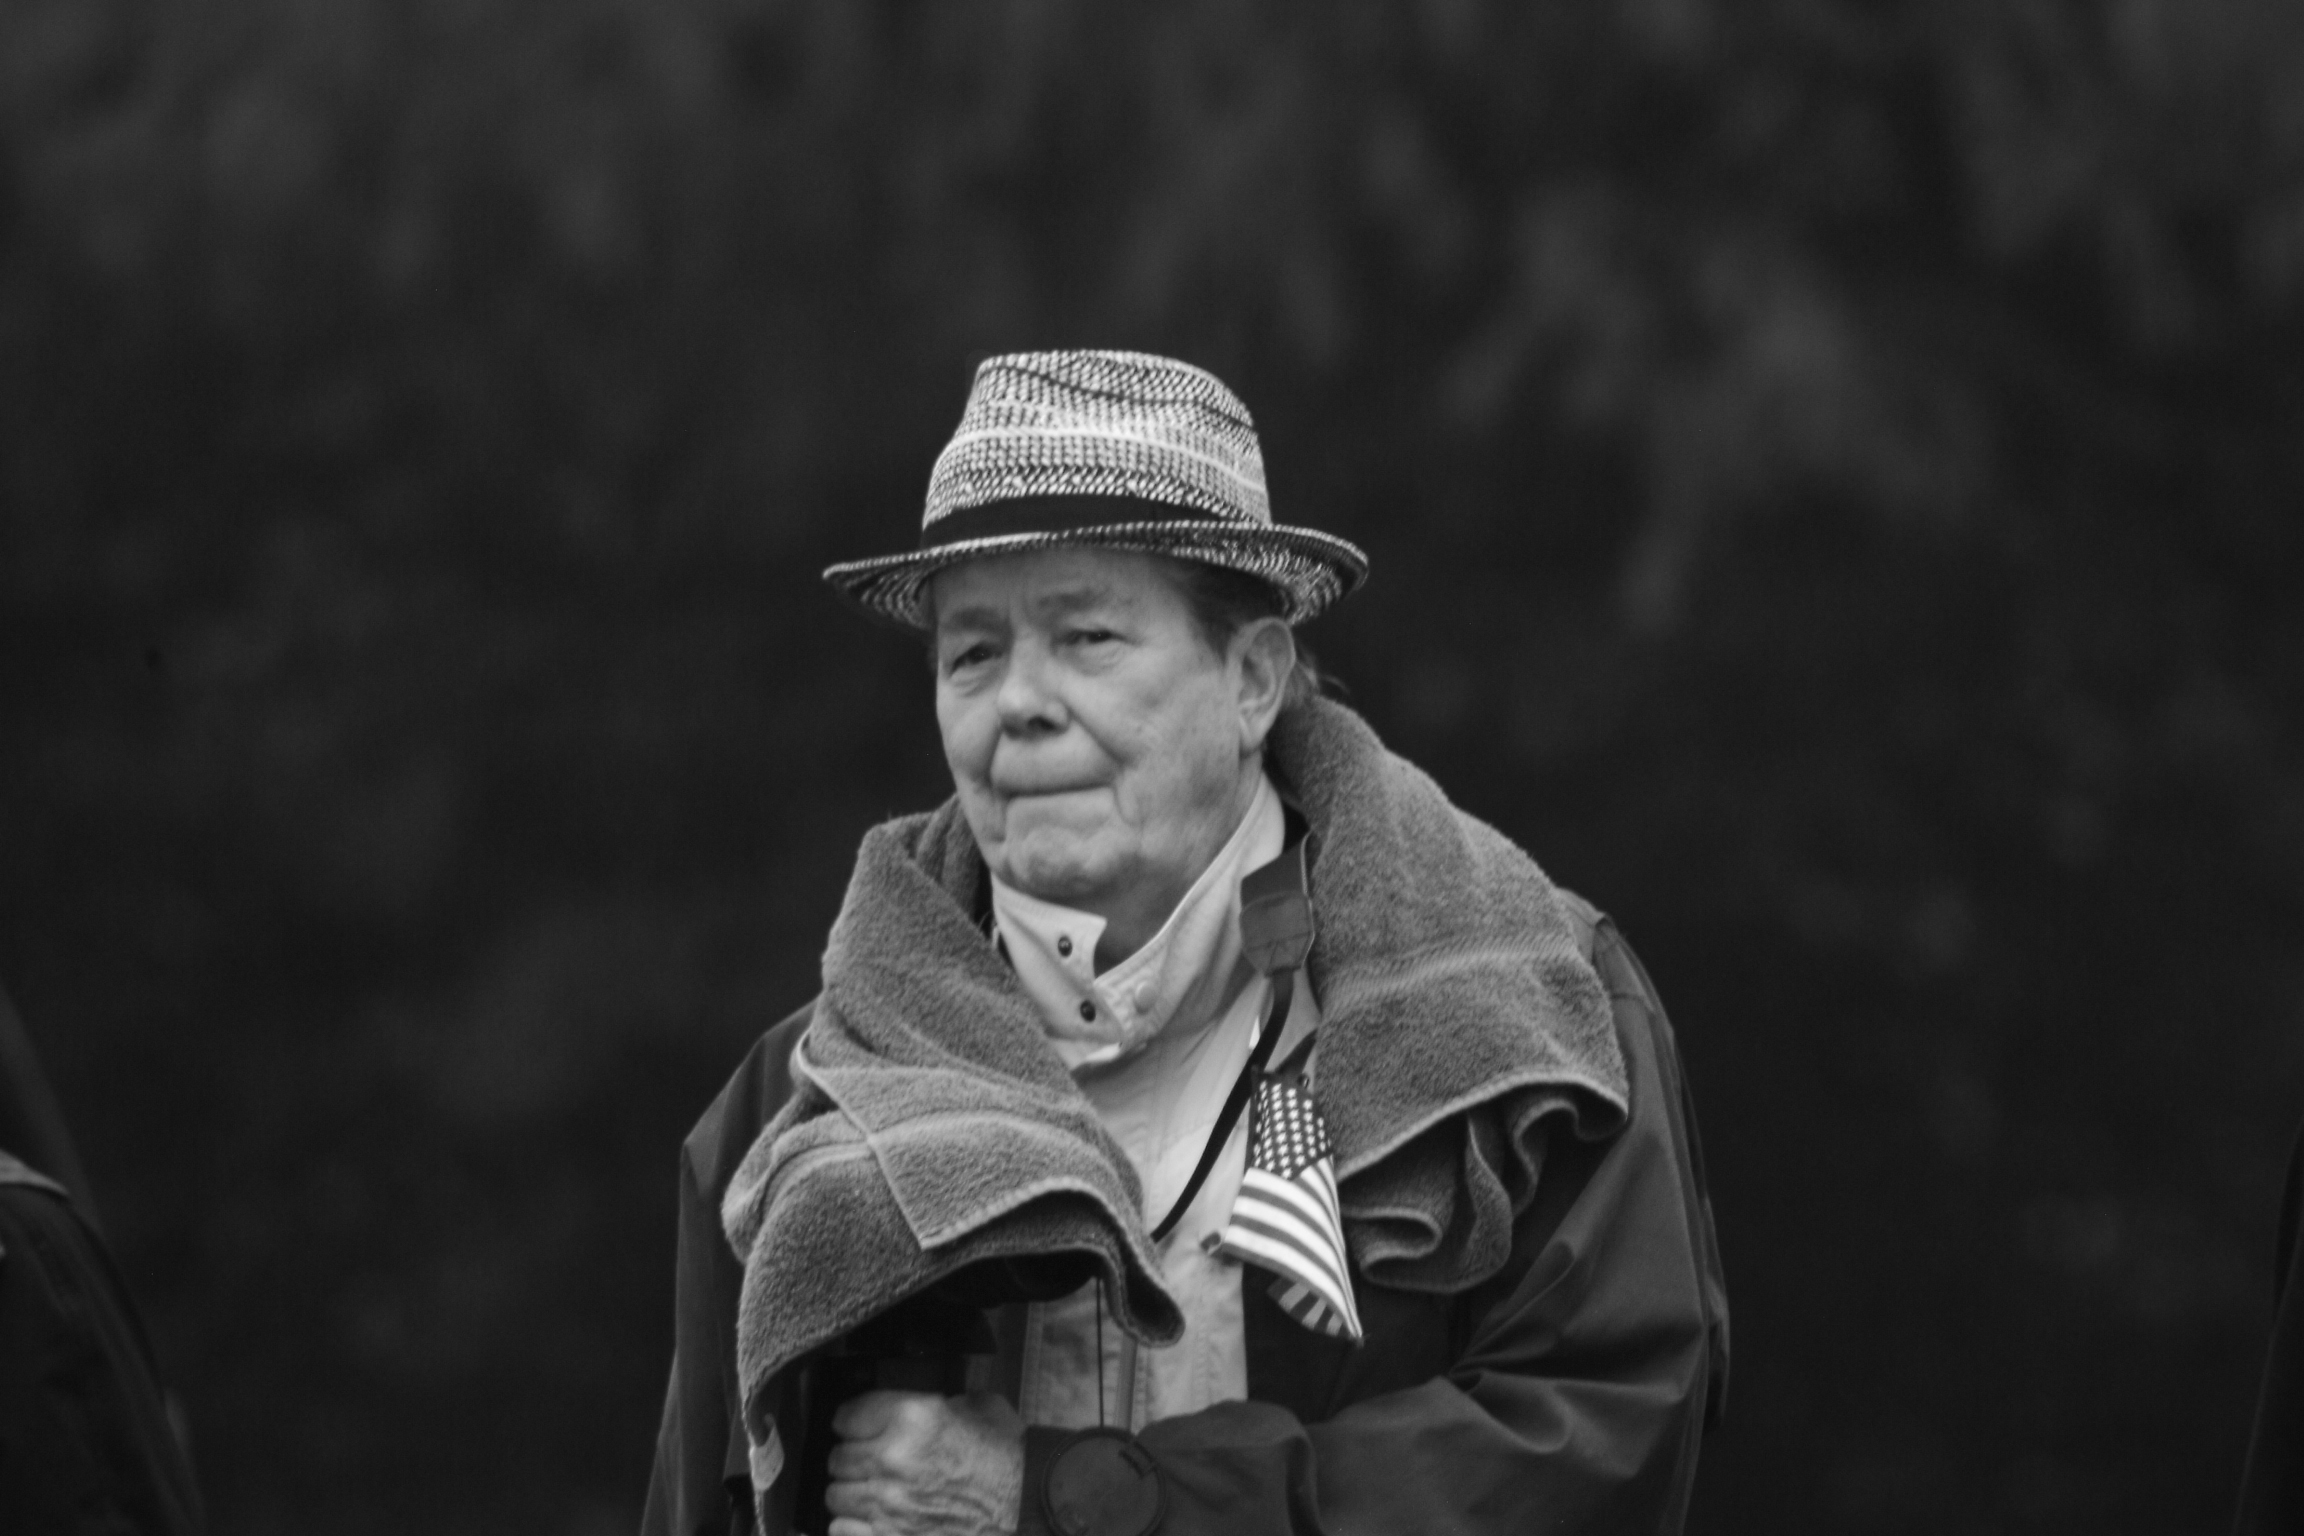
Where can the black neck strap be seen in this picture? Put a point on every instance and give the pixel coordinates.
(1275, 936)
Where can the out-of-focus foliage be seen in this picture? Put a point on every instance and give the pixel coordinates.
(1832, 473)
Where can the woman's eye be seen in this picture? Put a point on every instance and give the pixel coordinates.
(969, 656)
(1089, 636)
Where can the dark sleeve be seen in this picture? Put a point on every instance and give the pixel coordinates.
(1572, 1392)
(688, 1492)
(701, 1482)
(2272, 1488)
(86, 1446)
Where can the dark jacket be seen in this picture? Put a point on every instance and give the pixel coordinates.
(2272, 1489)
(86, 1447)
(1568, 1391)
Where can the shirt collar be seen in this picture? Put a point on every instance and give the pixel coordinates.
(1098, 1019)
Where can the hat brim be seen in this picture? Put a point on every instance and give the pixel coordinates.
(1308, 568)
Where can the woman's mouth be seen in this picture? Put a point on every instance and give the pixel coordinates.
(1044, 791)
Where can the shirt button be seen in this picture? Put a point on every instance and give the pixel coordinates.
(1088, 1011)
(1064, 945)
(1143, 997)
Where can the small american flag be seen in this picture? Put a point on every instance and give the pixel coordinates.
(1286, 1218)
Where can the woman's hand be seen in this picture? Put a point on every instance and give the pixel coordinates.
(914, 1464)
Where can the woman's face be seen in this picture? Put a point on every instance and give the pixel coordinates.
(1103, 753)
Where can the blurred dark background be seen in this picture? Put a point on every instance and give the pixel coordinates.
(1832, 470)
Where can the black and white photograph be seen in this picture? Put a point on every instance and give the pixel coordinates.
(1413, 768)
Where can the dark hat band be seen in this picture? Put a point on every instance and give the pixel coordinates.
(1054, 514)
(1113, 450)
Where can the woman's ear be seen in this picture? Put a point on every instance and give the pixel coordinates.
(1265, 655)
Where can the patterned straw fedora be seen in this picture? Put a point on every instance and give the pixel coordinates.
(1120, 450)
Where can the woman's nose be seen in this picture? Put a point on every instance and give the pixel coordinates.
(1028, 701)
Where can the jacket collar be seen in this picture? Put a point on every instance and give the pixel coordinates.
(1181, 970)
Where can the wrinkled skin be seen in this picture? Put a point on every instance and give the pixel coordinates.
(1102, 750)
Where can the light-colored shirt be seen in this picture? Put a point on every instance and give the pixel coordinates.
(1155, 1043)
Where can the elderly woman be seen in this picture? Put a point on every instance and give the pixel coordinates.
(1271, 1144)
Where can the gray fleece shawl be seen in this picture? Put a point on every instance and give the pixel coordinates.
(932, 1125)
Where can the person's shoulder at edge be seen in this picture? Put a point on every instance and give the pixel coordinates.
(84, 1417)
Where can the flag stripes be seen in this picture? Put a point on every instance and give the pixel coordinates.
(1287, 1217)
(1276, 1222)
(1306, 1305)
